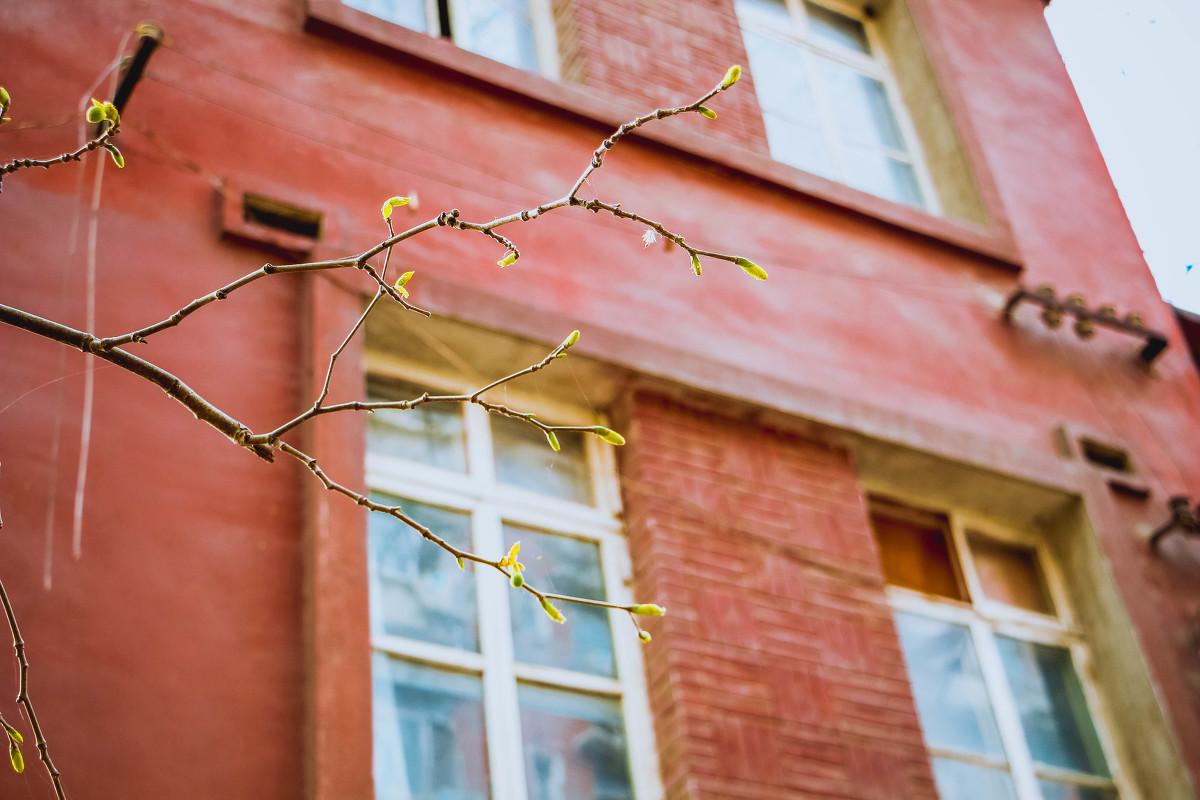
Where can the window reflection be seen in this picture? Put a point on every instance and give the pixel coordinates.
(524, 459)
(574, 746)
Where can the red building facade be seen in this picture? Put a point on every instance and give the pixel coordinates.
(902, 526)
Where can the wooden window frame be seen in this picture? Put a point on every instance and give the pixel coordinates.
(490, 504)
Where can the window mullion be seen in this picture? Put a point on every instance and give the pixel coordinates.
(501, 714)
(481, 464)
(825, 114)
(1004, 705)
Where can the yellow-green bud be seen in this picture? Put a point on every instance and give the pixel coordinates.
(647, 610)
(570, 340)
(752, 269)
(14, 755)
(731, 77)
(111, 114)
(553, 440)
(508, 259)
(461, 565)
(95, 114)
(695, 263)
(707, 112)
(14, 734)
(117, 158)
(403, 279)
(644, 636)
(610, 436)
(516, 580)
(391, 203)
(552, 612)
(5, 100)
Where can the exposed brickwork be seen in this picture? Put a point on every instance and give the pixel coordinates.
(777, 672)
(662, 54)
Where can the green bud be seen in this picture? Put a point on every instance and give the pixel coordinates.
(553, 440)
(509, 259)
(391, 203)
(14, 755)
(552, 612)
(95, 114)
(403, 279)
(14, 734)
(610, 436)
(707, 112)
(5, 100)
(644, 636)
(117, 158)
(695, 263)
(5, 119)
(516, 580)
(111, 114)
(731, 77)
(647, 610)
(461, 565)
(570, 340)
(752, 269)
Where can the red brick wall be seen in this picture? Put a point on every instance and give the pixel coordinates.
(657, 54)
(777, 671)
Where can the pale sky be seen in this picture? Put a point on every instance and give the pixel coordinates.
(1136, 68)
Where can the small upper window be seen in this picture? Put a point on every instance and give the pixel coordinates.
(829, 105)
(519, 33)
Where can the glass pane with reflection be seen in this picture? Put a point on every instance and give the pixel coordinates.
(524, 459)
(409, 13)
(429, 733)
(860, 107)
(562, 566)
(952, 701)
(502, 30)
(1053, 710)
(1052, 790)
(417, 589)
(883, 176)
(574, 745)
(1010, 574)
(830, 26)
(957, 780)
(432, 434)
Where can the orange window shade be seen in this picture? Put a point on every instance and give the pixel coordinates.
(917, 554)
(1010, 574)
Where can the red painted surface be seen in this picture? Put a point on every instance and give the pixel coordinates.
(171, 660)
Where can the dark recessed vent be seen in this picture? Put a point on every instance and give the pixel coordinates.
(281, 216)
(1105, 455)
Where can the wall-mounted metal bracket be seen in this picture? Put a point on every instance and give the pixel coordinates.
(1055, 309)
(1183, 519)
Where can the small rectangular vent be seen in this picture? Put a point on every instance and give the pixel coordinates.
(281, 216)
(1105, 455)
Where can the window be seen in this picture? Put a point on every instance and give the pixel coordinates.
(477, 694)
(994, 661)
(519, 33)
(829, 104)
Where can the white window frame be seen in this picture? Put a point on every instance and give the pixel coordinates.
(875, 65)
(545, 32)
(490, 505)
(985, 619)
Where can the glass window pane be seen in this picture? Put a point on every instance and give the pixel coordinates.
(409, 13)
(574, 746)
(875, 172)
(502, 30)
(837, 28)
(417, 589)
(800, 146)
(563, 566)
(952, 702)
(1066, 791)
(429, 734)
(916, 555)
(1053, 711)
(860, 106)
(525, 459)
(432, 434)
(958, 781)
(779, 79)
(1010, 574)
(766, 12)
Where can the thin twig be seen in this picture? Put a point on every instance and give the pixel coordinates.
(75, 155)
(23, 694)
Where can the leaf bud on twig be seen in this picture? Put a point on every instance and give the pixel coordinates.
(608, 435)
(706, 112)
(752, 269)
(647, 610)
(552, 612)
(731, 77)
